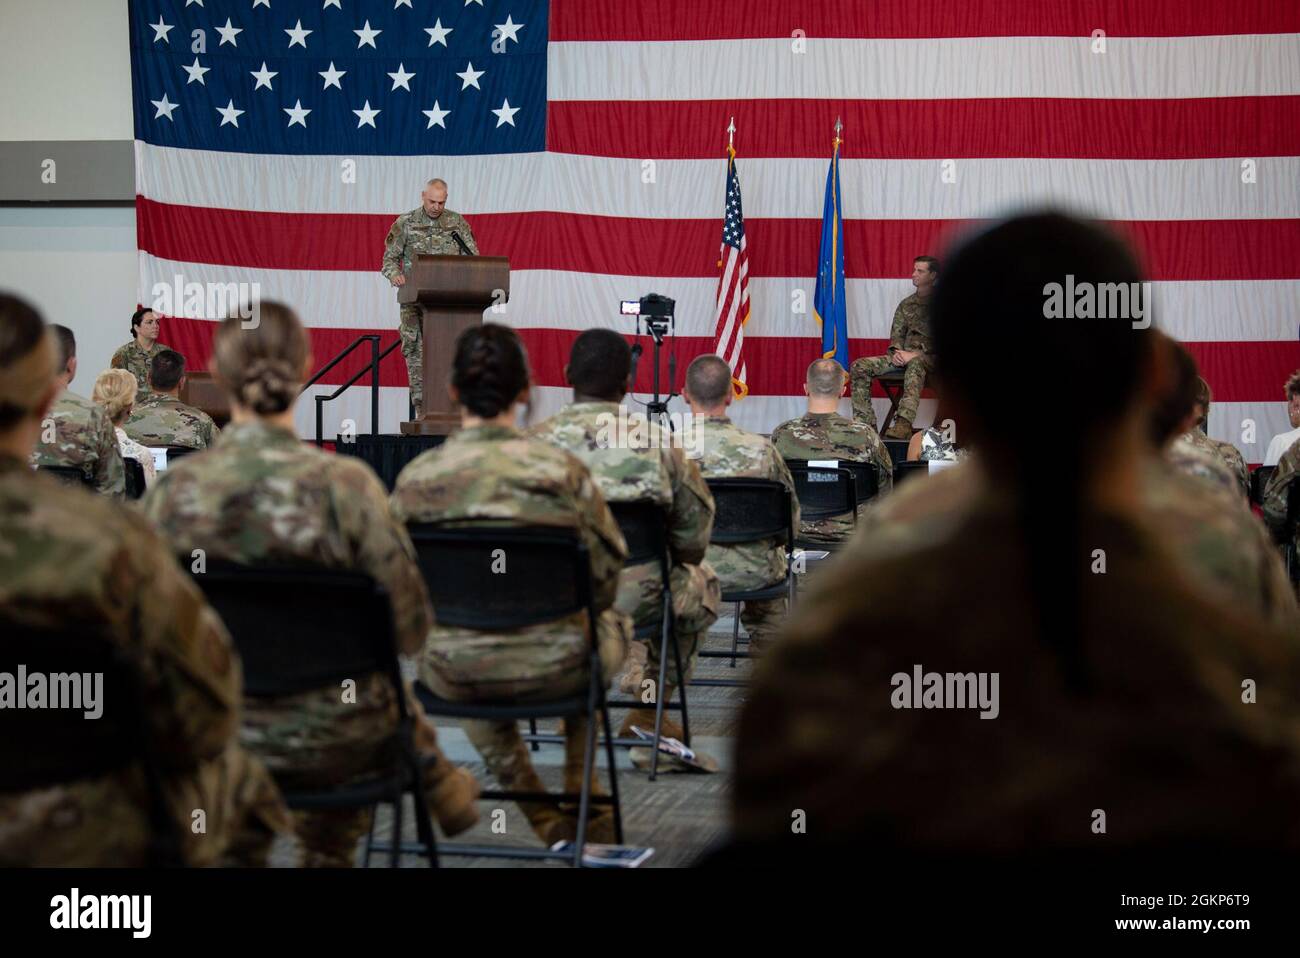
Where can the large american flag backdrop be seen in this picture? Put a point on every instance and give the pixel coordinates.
(276, 140)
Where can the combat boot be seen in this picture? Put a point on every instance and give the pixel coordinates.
(600, 818)
(900, 429)
(645, 719)
(452, 794)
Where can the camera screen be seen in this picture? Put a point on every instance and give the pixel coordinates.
(630, 307)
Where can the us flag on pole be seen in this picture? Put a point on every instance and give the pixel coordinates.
(732, 310)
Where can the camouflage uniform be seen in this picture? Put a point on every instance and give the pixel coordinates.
(1224, 549)
(911, 332)
(414, 233)
(85, 440)
(138, 361)
(828, 435)
(1277, 491)
(1197, 457)
(1160, 740)
(161, 419)
(653, 469)
(1225, 451)
(66, 558)
(260, 495)
(729, 452)
(494, 475)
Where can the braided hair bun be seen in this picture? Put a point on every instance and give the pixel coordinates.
(489, 370)
(261, 366)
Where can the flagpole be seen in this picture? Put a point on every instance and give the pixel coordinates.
(838, 127)
(731, 137)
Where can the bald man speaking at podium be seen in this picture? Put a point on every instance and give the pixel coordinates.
(430, 228)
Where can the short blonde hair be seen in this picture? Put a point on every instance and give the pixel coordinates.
(115, 390)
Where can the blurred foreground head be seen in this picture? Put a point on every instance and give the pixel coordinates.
(28, 355)
(992, 320)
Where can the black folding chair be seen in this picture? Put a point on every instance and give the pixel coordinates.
(824, 493)
(299, 628)
(908, 469)
(495, 578)
(750, 510)
(134, 477)
(45, 747)
(177, 452)
(1258, 480)
(546, 576)
(72, 475)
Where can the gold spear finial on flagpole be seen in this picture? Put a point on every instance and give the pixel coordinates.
(731, 134)
(838, 127)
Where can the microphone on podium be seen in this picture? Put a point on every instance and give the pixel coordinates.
(465, 250)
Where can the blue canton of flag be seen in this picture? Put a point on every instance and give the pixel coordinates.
(379, 77)
(828, 301)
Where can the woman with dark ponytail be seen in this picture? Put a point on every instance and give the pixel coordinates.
(489, 469)
(1049, 604)
(136, 357)
(261, 496)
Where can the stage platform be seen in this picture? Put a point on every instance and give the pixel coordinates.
(387, 454)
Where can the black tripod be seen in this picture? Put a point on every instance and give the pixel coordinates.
(658, 328)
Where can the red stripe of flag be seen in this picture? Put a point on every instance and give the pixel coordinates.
(896, 19)
(1172, 250)
(1105, 129)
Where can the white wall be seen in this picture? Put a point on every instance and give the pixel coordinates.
(78, 266)
(65, 69)
(65, 73)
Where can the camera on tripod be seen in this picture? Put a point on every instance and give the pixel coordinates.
(654, 309)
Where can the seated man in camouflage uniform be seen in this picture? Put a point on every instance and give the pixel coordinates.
(69, 559)
(427, 229)
(1199, 435)
(911, 349)
(77, 432)
(728, 452)
(160, 418)
(1186, 447)
(1277, 493)
(822, 433)
(634, 460)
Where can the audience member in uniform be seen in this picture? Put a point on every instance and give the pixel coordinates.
(115, 392)
(160, 418)
(1226, 451)
(822, 433)
(70, 560)
(1174, 425)
(634, 460)
(490, 471)
(76, 432)
(137, 356)
(725, 451)
(1063, 684)
(262, 496)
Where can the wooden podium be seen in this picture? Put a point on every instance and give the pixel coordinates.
(451, 292)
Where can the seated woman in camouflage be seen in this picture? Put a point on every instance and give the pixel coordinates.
(490, 469)
(137, 356)
(262, 496)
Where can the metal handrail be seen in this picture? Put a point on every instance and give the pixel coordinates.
(371, 367)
